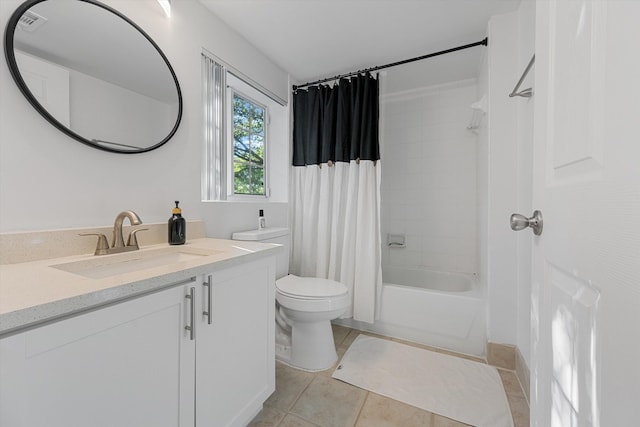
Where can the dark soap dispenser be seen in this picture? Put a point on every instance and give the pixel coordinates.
(177, 227)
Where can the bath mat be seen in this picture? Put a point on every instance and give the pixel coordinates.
(460, 389)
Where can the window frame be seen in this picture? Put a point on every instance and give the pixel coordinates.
(231, 194)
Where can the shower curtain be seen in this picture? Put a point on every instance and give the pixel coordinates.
(335, 199)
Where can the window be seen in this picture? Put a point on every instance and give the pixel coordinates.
(249, 146)
(246, 137)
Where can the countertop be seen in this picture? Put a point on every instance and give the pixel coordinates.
(33, 293)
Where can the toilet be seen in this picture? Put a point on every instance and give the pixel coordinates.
(305, 307)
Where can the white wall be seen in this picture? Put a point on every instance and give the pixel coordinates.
(428, 190)
(526, 48)
(504, 178)
(50, 181)
(225, 218)
(482, 177)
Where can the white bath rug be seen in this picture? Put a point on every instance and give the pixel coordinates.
(460, 389)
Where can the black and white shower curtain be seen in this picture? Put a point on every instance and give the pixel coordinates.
(335, 200)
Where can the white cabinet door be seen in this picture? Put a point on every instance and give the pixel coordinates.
(130, 364)
(235, 353)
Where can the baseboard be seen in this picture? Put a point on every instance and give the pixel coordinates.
(501, 355)
(509, 357)
(523, 373)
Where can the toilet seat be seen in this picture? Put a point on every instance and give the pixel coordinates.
(311, 294)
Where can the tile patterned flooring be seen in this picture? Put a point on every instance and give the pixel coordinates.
(305, 399)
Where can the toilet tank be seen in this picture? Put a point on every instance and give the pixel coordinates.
(279, 235)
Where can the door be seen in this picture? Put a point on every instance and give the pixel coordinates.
(49, 84)
(586, 264)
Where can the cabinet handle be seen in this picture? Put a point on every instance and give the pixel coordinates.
(191, 327)
(207, 313)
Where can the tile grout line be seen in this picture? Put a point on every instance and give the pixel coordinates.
(296, 401)
(355, 423)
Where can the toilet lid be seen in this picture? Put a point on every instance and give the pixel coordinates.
(310, 287)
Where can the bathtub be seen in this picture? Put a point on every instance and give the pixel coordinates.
(439, 309)
(436, 308)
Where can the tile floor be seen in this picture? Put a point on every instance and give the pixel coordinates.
(304, 399)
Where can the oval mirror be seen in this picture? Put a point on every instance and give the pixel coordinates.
(94, 74)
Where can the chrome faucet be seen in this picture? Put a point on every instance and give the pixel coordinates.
(118, 240)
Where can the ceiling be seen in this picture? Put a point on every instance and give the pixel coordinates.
(313, 39)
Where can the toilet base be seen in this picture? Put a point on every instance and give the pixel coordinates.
(312, 347)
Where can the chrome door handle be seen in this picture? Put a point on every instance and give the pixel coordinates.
(191, 327)
(520, 222)
(208, 313)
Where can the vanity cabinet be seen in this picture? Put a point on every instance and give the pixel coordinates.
(129, 364)
(135, 364)
(235, 353)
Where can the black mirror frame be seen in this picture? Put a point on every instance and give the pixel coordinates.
(17, 77)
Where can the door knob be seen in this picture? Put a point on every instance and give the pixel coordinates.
(520, 222)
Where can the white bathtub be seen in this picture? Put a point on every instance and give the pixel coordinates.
(429, 279)
(435, 308)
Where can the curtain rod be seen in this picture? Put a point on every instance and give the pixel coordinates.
(393, 64)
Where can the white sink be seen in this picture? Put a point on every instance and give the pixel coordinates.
(129, 262)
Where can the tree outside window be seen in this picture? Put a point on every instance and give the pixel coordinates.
(249, 119)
